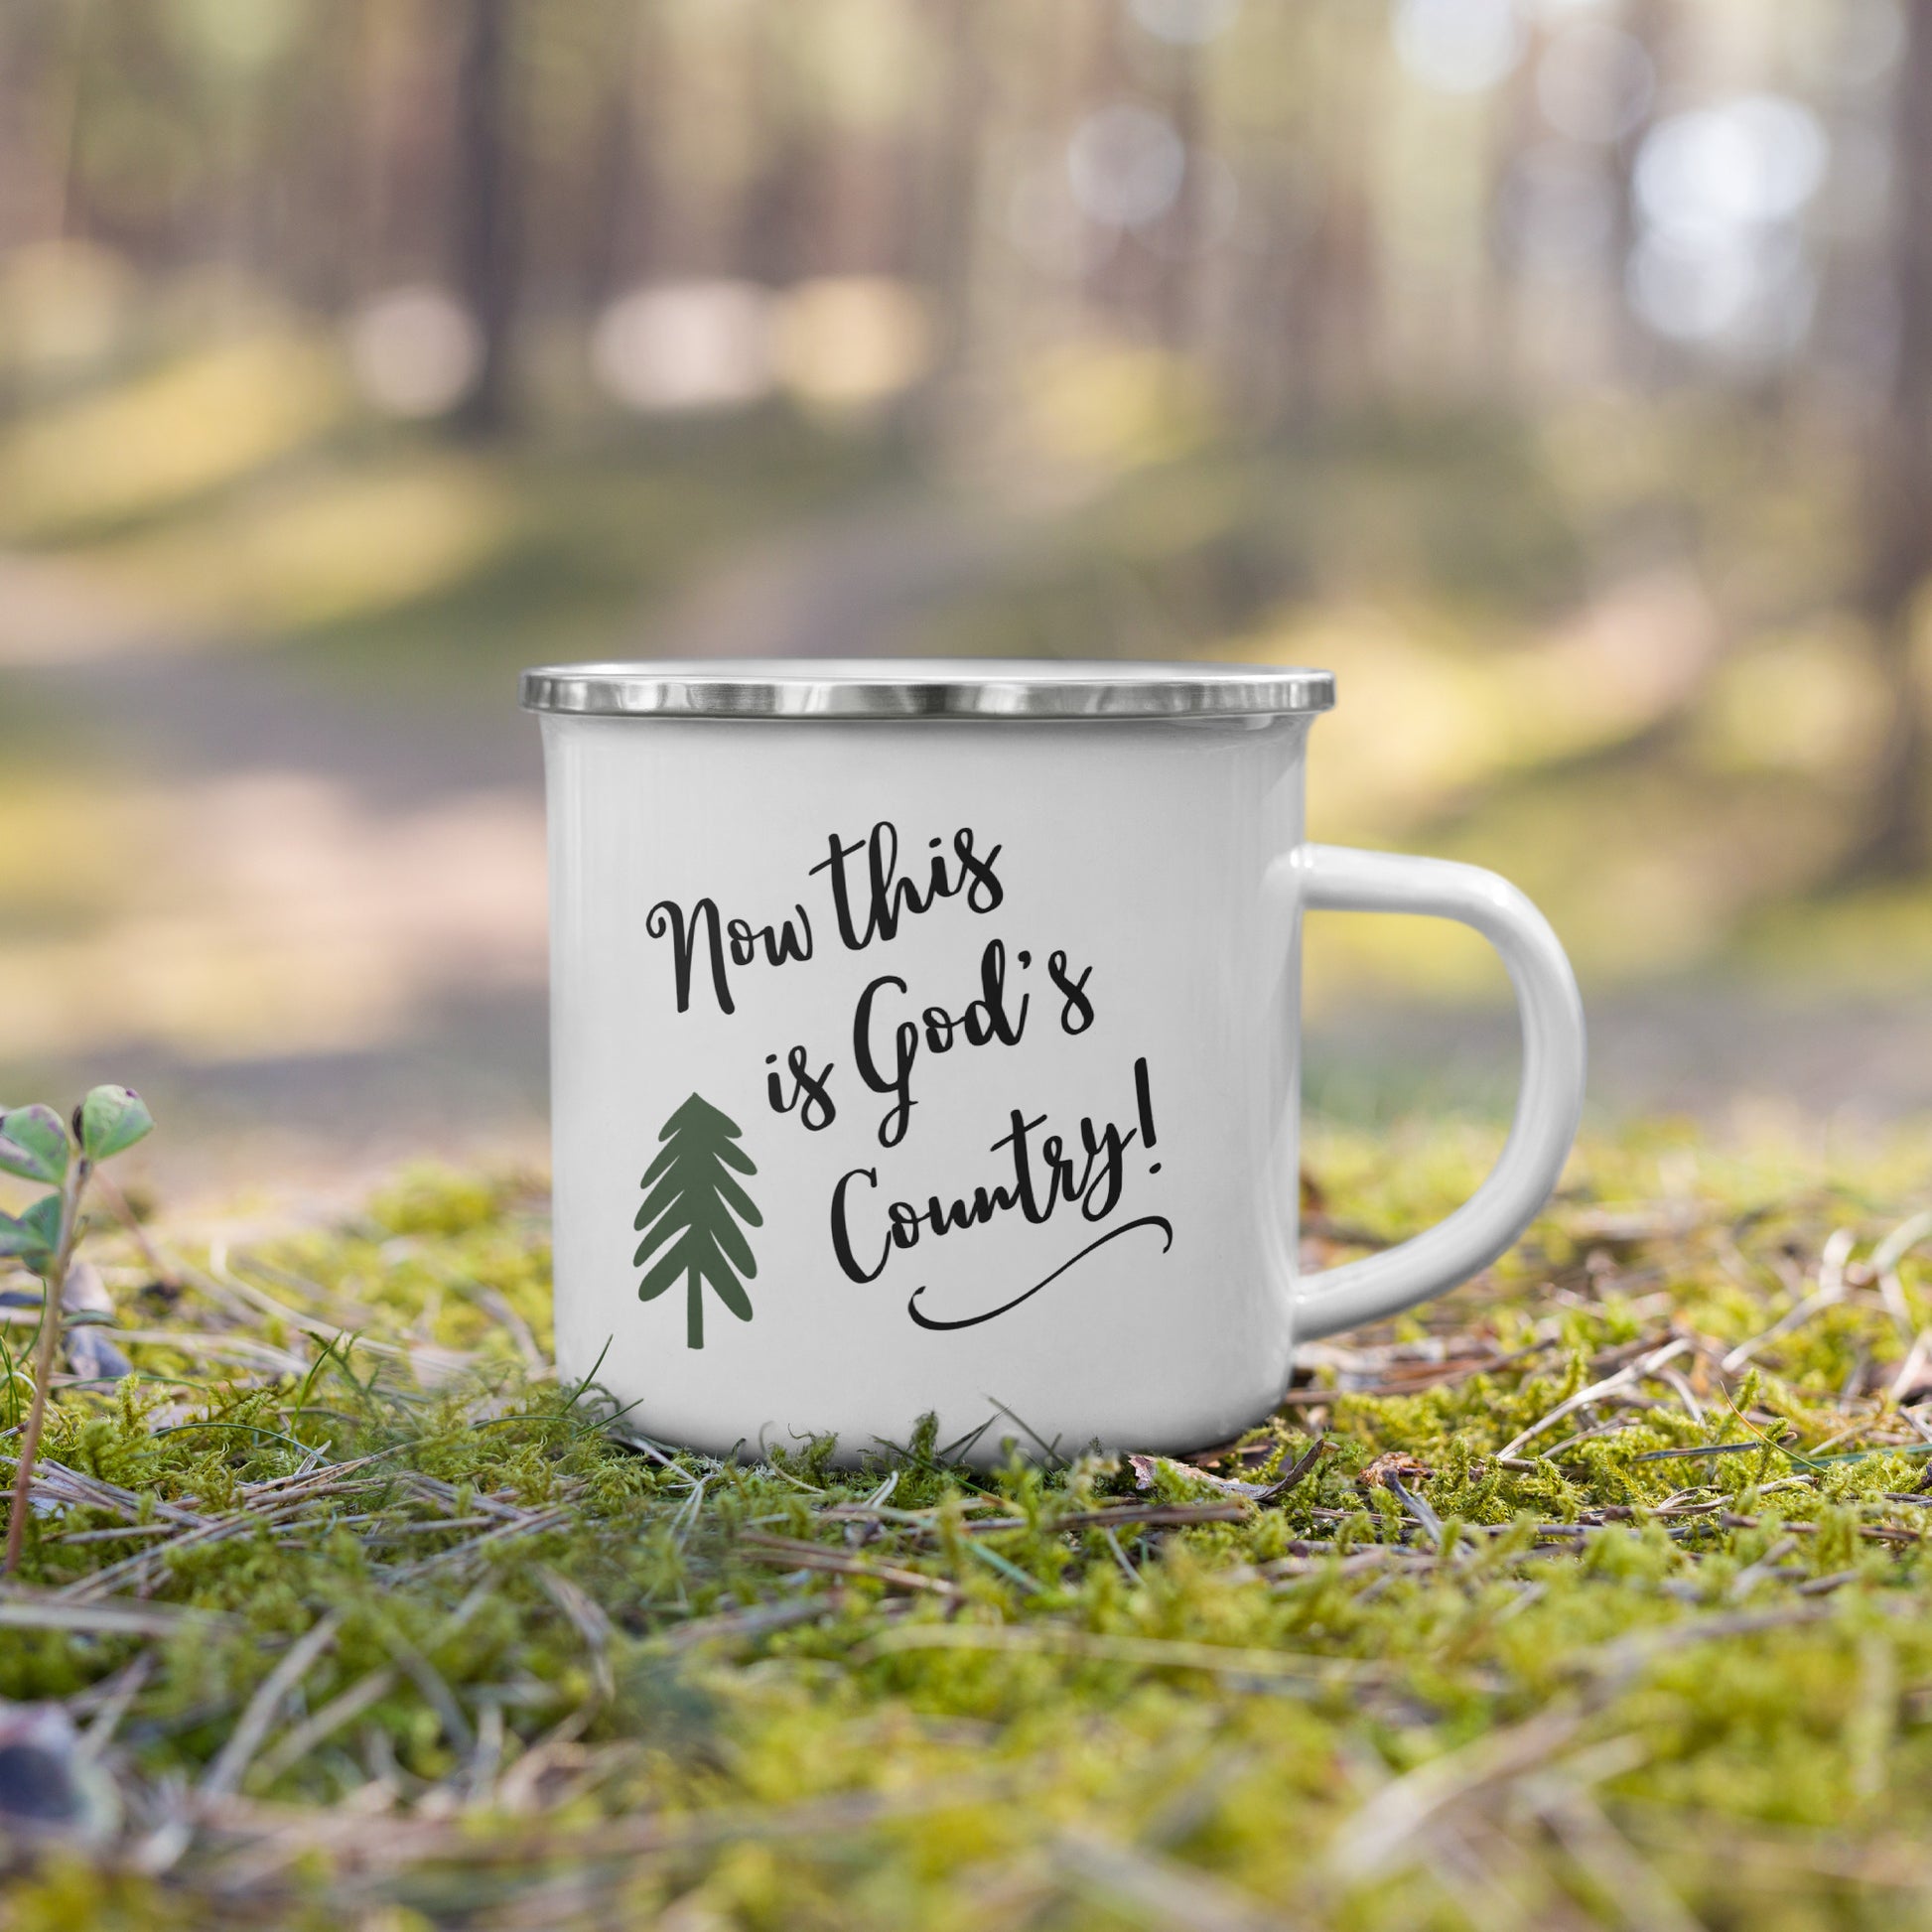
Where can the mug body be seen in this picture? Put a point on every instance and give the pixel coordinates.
(939, 1065)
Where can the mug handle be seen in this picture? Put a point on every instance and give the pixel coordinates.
(1548, 1103)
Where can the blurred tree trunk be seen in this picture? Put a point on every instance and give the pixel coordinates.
(944, 248)
(1334, 318)
(1898, 509)
(1650, 24)
(775, 228)
(485, 204)
(1505, 354)
(1111, 287)
(625, 236)
(71, 212)
(1177, 292)
(37, 85)
(951, 233)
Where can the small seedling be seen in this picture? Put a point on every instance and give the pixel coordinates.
(35, 1145)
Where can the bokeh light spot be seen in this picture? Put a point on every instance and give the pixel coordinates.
(1758, 159)
(1594, 82)
(1185, 22)
(1459, 47)
(1125, 165)
(686, 345)
(848, 340)
(415, 351)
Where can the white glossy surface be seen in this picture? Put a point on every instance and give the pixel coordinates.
(1550, 1099)
(1156, 854)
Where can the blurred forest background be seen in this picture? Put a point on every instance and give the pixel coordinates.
(1559, 373)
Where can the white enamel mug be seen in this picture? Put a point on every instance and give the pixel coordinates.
(925, 1041)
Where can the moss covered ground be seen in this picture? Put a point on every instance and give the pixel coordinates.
(1593, 1594)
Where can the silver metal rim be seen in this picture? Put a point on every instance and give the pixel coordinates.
(905, 688)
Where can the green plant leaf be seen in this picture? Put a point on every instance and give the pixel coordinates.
(34, 1145)
(110, 1120)
(33, 1237)
(42, 1220)
(14, 1238)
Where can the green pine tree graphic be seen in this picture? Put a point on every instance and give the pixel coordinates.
(690, 1200)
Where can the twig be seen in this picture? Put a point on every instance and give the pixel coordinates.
(814, 1556)
(1312, 1454)
(1824, 1586)
(1150, 1515)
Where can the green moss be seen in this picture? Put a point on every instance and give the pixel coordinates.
(576, 1691)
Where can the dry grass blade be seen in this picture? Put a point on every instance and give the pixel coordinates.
(1494, 1883)
(587, 1617)
(242, 1350)
(1676, 1379)
(143, 1565)
(114, 1707)
(90, 1493)
(20, 1610)
(1162, 1653)
(447, 1495)
(300, 1739)
(1829, 1292)
(363, 1844)
(736, 1627)
(1761, 1857)
(1647, 1903)
(1912, 1369)
(1623, 1654)
(1299, 1631)
(1159, 1893)
(524, 1525)
(224, 1773)
(1609, 1385)
(1899, 1243)
(1388, 1829)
